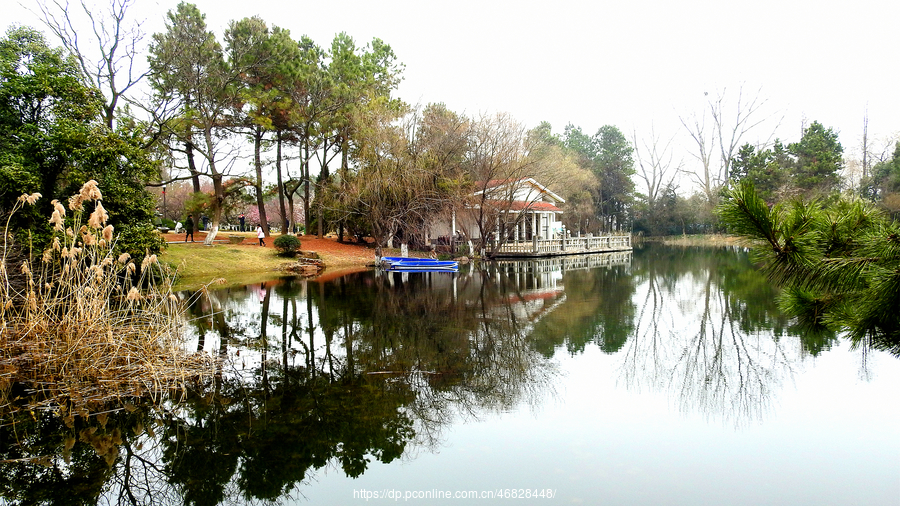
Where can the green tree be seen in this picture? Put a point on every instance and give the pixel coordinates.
(609, 155)
(614, 166)
(179, 60)
(281, 113)
(362, 80)
(193, 79)
(765, 168)
(576, 183)
(819, 158)
(310, 87)
(838, 265)
(263, 101)
(55, 139)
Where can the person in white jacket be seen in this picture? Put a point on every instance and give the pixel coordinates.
(261, 235)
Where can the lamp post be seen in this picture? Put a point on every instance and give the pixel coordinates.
(164, 201)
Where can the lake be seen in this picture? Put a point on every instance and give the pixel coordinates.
(662, 376)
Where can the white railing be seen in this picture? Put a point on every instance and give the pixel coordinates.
(567, 246)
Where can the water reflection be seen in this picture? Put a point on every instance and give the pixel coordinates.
(374, 366)
(354, 369)
(709, 333)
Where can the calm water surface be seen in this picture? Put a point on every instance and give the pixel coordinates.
(665, 376)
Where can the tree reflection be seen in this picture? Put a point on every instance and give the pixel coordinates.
(598, 307)
(710, 331)
(328, 372)
(459, 342)
(261, 444)
(371, 366)
(108, 455)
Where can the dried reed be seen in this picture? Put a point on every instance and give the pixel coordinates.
(89, 327)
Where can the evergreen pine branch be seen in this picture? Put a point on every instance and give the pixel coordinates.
(744, 213)
(838, 265)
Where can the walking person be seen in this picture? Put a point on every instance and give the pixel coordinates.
(261, 235)
(189, 228)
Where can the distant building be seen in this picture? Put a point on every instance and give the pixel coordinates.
(506, 210)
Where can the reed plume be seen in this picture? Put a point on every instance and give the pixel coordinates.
(87, 327)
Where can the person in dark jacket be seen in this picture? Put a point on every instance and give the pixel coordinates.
(189, 228)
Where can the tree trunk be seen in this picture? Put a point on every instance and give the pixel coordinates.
(192, 166)
(305, 177)
(320, 212)
(285, 225)
(345, 169)
(257, 162)
(195, 177)
(189, 151)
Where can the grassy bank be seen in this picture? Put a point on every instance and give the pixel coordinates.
(196, 260)
(248, 263)
(197, 264)
(693, 240)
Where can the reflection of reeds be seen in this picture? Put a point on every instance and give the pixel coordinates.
(88, 326)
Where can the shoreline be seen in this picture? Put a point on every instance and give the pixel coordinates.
(247, 262)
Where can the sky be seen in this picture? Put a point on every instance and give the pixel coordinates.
(638, 65)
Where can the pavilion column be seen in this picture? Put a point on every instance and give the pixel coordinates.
(453, 231)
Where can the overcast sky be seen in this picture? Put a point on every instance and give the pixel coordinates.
(635, 64)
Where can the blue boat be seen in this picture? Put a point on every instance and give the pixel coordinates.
(409, 264)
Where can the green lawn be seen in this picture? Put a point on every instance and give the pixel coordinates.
(197, 264)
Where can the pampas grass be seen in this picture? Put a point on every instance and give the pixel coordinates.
(85, 326)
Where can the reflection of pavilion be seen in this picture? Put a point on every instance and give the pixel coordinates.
(569, 263)
(433, 346)
(538, 282)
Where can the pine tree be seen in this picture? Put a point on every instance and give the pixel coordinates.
(838, 265)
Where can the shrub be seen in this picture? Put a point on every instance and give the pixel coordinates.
(287, 244)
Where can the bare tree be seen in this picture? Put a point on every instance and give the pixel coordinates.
(875, 150)
(406, 175)
(731, 121)
(708, 179)
(865, 146)
(656, 166)
(730, 128)
(501, 157)
(108, 53)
